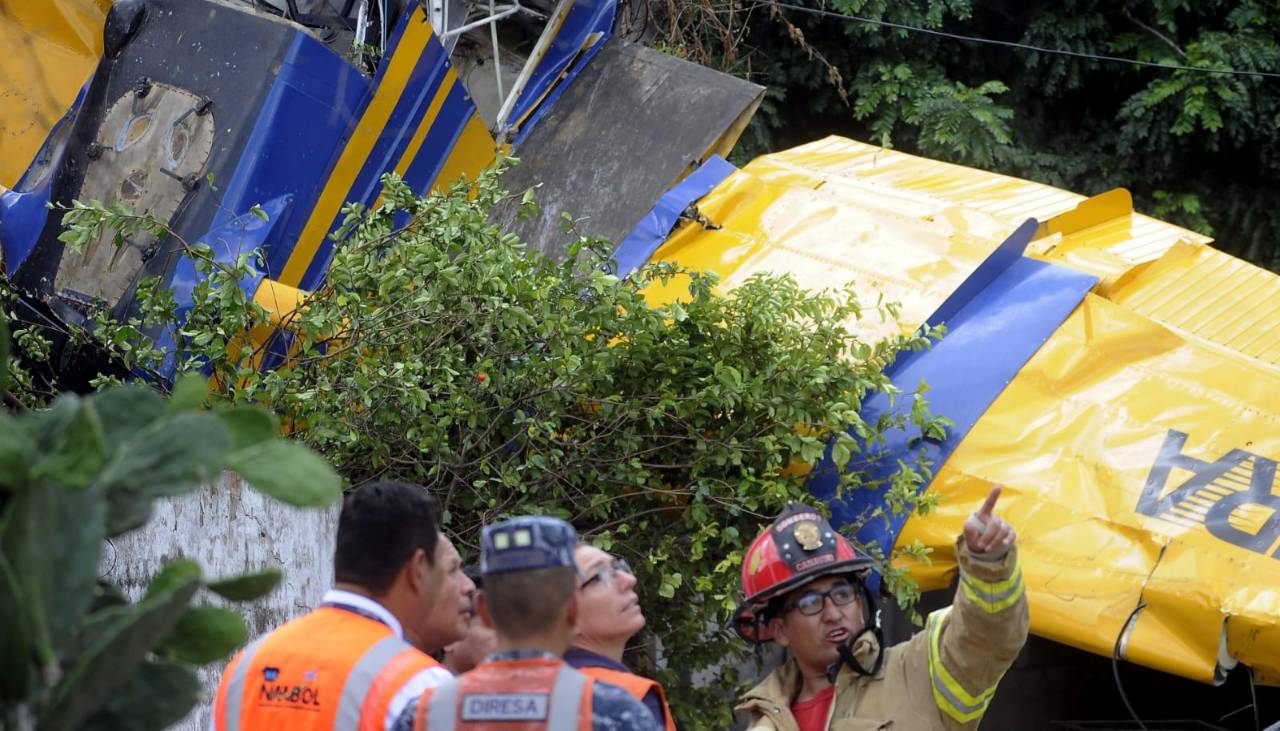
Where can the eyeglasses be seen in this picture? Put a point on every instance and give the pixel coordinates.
(811, 603)
(607, 573)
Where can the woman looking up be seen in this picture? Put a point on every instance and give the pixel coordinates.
(609, 615)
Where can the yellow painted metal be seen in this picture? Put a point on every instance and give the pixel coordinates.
(1176, 336)
(428, 119)
(1073, 438)
(366, 134)
(48, 50)
(474, 151)
(1212, 296)
(831, 234)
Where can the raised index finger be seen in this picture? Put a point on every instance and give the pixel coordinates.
(987, 507)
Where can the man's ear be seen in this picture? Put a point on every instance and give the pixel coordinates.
(417, 571)
(571, 612)
(482, 610)
(779, 630)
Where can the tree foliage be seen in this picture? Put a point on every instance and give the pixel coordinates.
(1199, 149)
(75, 653)
(441, 351)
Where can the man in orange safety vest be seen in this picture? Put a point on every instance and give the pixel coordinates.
(356, 661)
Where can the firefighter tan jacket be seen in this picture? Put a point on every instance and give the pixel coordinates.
(942, 678)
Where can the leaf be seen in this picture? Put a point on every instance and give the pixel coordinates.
(204, 634)
(177, 572)
(124, 410)
(188, 394)
(288, 472)
(246, 587)
(159, 694)
(52, 537)
(4, 353)
(73, 449)
(259, 213)
(16, 447)
(169, 456)
(122, 637)
(248, 425)
(17, 669)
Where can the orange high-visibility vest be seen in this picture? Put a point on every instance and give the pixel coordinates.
(538, 694)
(638, 686)
(331, 669)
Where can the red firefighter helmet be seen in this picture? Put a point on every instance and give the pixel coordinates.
(797, 548)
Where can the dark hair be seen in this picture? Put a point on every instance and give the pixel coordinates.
(381, 526)
(524, 603)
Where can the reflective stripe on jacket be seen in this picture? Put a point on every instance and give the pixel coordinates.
(942, 679)
(521, 695)
(637, 685)
(330, 669)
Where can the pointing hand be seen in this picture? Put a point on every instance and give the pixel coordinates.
(985, 532)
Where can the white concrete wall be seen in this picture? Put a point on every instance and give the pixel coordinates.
(230, 528)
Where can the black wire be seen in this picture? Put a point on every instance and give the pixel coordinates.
(1022, 46)
(1253, 695)
(1115, 664)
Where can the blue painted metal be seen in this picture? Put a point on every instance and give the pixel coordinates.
(584, 18)
(312, 105)
(992, 334)
(653, 229)
(428, 73)
(455, 112)
(238, 236)
(438, 145)
(22, 218)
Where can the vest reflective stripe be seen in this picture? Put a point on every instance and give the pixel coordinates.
(636, 685)
(234, 698)
(365, 671)
(566, 698)
(444, 707)
(440, 707)
(391, 682)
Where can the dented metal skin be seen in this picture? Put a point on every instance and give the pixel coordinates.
(1136, 439)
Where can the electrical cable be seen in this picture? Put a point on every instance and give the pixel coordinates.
(1253, 695)
(1115, 664)
(1021, 46)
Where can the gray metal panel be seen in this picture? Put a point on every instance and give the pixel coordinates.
(632, 124)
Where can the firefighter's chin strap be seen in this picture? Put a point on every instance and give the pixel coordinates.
(846, 650)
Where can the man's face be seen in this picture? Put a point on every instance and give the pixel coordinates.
(814, 639)
(608, 608)
(468, 652)
(450, 612)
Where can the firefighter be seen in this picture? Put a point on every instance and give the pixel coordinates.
(356, 661)
(806, 590)
(530, 599)
(609, 615)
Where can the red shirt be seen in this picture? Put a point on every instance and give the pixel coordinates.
(811, 715)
